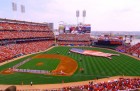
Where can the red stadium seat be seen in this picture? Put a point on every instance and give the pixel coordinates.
(24, 30)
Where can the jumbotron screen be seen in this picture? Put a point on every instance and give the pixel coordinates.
(86, 28)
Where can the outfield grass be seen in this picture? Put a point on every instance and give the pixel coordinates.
(93, 67)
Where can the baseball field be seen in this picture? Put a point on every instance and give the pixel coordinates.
(69, 67)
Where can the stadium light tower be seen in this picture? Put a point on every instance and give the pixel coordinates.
(18, 10)
(84, 15)
(77, 15)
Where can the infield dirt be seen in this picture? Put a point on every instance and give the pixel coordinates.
(67, 65)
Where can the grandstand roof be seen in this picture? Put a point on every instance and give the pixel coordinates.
(22, 22)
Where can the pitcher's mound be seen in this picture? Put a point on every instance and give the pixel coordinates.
(39, 64)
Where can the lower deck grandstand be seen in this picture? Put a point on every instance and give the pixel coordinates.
(19, 38)
(74, 39)
(15, 50)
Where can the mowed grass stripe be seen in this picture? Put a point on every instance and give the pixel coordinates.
(112, 66)
(129, 66)
(95, 64)
(85, 66)
(109, 73)
(136, 66)
(92, 65)
(89, 66)
(117, 69)
(98, 67)
(124, 65)
(106, 70)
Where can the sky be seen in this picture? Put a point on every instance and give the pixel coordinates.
(103, 15)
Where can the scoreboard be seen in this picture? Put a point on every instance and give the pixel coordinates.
(78, 29)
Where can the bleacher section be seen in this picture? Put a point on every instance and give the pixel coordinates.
(74, 39)
(20, 38)
(121, 84)
(123, 48)
(133, 50)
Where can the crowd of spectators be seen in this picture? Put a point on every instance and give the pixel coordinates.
(115, 85)
(123, 48)
(10, 30)
(20, 38)
(23, 26)
(79, 43)
(73, 39)
(137, 52)
(13, 50)
(133, 50)
(24, 34)
(121, 84)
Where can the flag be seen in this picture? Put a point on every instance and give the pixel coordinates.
(93, 53)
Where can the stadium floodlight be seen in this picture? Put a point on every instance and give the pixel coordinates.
(14, 6)
(84, 15)
(77, 15)
(22, 9)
